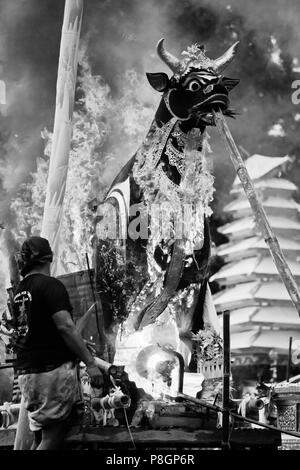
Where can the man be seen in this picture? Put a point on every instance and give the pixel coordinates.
(47, 347)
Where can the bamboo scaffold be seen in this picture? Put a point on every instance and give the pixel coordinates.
(259, 212)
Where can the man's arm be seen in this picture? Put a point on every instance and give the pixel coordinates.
(74, 341)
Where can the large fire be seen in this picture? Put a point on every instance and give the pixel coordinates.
(106, 132)
(149, 358)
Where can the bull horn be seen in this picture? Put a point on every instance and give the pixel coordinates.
(225, 59)
(167, 57)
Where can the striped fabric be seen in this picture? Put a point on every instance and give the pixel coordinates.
(16, 396)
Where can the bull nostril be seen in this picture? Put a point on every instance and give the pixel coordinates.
(208, 89)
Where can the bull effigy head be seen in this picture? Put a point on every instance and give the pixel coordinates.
(197, 86)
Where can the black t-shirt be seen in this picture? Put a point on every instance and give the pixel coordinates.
(38, 343)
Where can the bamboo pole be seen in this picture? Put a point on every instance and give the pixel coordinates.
(259, 212)
(65, 91)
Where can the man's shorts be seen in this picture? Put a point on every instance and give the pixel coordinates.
(50, 396)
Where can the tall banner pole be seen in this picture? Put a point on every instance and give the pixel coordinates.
(58, 169)
(62, 133)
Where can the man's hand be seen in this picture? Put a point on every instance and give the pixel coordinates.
(90, 346)
(95, 376)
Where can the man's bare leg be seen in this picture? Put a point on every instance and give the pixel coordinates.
(37, 440)
(53, 436)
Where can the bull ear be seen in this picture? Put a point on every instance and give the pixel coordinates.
(159, 81)
(229, 83)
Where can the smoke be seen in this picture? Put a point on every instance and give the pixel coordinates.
(119, 36)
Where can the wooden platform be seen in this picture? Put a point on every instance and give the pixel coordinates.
(93, 438)
(109, 438)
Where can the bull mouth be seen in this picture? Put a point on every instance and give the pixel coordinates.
(212, 103)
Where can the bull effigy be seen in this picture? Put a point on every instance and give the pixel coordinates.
(152, 252)
(153, 241)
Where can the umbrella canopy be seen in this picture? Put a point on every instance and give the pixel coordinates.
(251, 294)
(276, 186)
(262, 315)
(261, 340)
(273, 316)
(272, 204)
(261, 166)
(252, 268)
(247, 247)
(246, 227)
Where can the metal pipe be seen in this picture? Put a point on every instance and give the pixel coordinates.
(181, 367)
(100, 335)
(288, 369)
(226, 380)
(253, 404)
(260, 403)
(105, 366)
(111, 402)
(9, 413)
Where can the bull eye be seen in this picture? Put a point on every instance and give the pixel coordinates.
(194, 85)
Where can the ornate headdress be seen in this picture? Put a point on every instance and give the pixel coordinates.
(194, 57)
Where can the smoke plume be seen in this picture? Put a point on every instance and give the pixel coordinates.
(119, 36)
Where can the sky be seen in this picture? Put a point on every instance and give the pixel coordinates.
(121, 35)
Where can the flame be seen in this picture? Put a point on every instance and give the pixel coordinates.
(133, 346)
(106, 132)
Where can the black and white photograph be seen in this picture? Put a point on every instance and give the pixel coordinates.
(150, 228)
